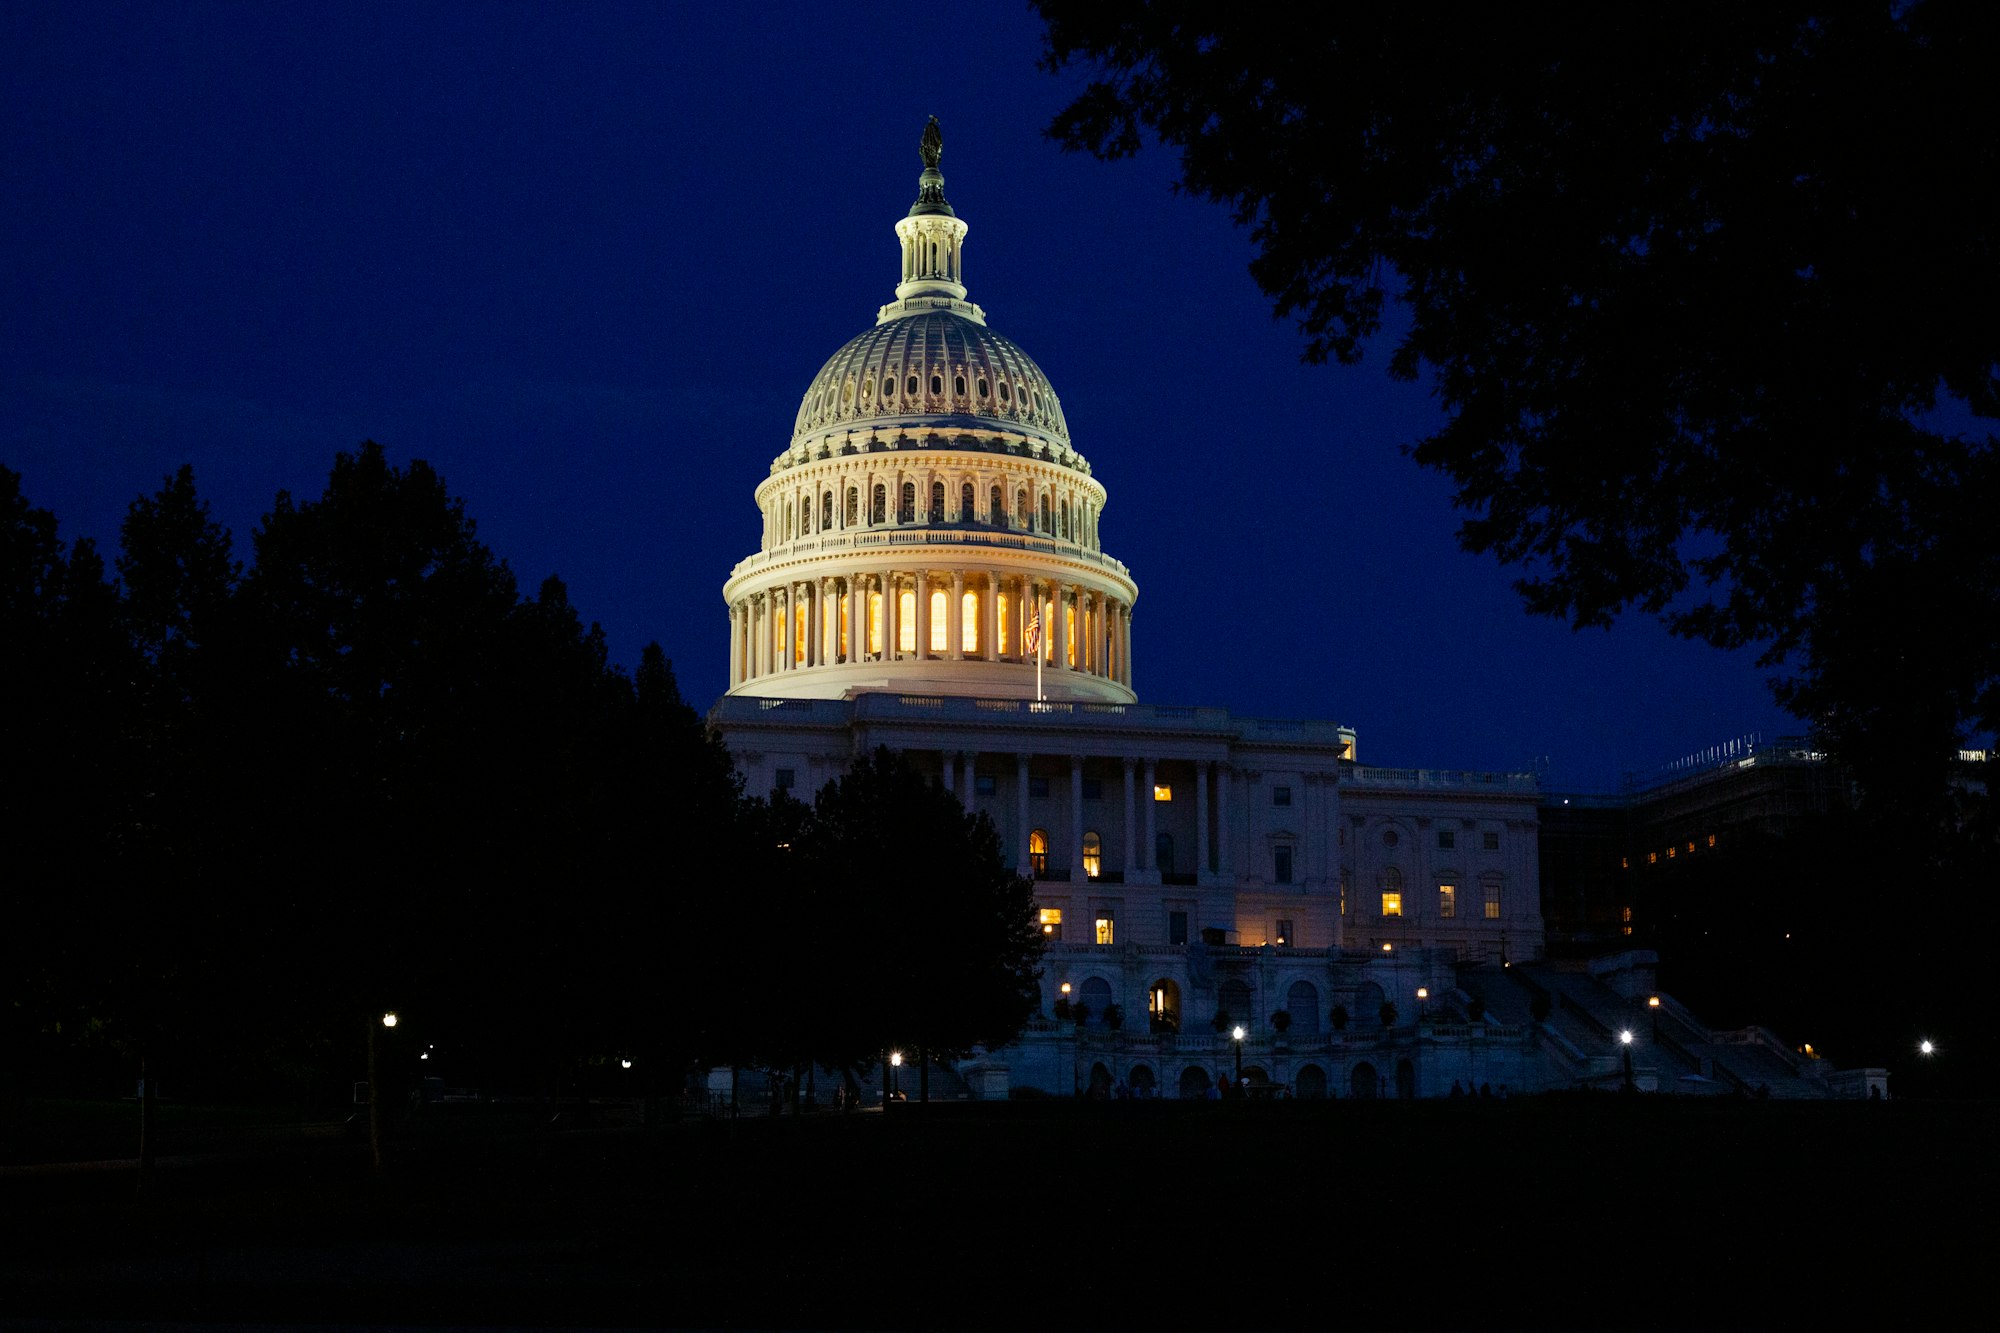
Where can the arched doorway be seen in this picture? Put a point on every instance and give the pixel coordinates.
(1141, 1081)
(1163, 1005)
(1100, 1082)
(1406, 1080)
(1363, 1082)
(1368, 1003)
(1194, 1083)
(1310, 1084)
(1302, 1003)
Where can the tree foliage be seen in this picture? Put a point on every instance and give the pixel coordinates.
(1705, 291)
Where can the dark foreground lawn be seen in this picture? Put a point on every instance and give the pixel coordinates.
(1549, 1212)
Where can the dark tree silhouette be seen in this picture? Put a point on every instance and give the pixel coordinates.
(1705, 290)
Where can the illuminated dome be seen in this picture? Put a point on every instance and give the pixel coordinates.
(930, 518)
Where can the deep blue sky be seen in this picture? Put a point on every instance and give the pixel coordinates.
(586, 258)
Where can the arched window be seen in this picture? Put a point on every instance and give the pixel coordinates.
(1062, 520)
(878, 511)
(853, 506)
(1038, 854)
(805, 517)
(937, 384)
(791, 521)
(875, 621)
(968, 619)
(1233, 998)
(1163, 853)
(906, 621)
(907, 513)
(939, 627)
(1392, 891)
(1003, 612)
(825, 510)
(1302, 1003)
(1163, 1005)
(910, 386)
(1045, 515)
(937, 502)
(1309, 1083)
(958, 385)
(996, 512)
(983, 392)
(965, 505)
(1096, 993)
(888, 386)
(1021, 508)
(1005, 395)
(1093, 854)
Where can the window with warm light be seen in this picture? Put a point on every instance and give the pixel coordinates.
(875, 622)
(1492, 902)
(1711, 840)
(1052, 923)
(1447, 900)
(1005, 607)
(1038, 853)
(968, 608)
(906, 622)
(1652, 858)
(939, 627)
(1069, 618)
(1282, 934)
(1104, 931)
(1162, 792)
(1392, 904)
(1093, 856)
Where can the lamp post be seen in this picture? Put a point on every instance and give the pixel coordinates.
(375, 1092)
(1237, 1033)
(895, 1063)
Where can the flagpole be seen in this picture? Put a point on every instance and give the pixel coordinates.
(1038, 675)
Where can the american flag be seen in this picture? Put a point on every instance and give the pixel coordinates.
(1034, 634)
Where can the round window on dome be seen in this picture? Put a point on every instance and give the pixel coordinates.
(910, 387)
(958, 385)
(937, 384)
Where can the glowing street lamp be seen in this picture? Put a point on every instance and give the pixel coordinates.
(895, 1063)
(1237, 1033)
(1925, 1047)
(389, 1019)
(1625, 1036)
(624, 1064)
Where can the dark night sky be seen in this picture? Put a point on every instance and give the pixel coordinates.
(586, 258)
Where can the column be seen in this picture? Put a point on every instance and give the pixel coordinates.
(1222, 822)
(1135, 859)
(829, 622)
(954, 620)
(1125, 645)
(1201, 821)
(808, 611)
(1104, 637)
(891, 609)
(781, 642)
(1060, 633)
(948, 766)
(857, 629)
(922, 580)
(735, 646)
(1076, 875)
(1146, 800)
(1024, 866)
(989, 641)
(969, 780)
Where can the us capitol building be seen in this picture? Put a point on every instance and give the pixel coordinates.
(928, 533)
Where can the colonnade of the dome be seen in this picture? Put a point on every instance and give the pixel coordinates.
(917, 615)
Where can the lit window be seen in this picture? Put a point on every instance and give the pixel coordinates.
(1093, 854)
(786, 779)
(1104, 931)
(1281, 864)
(1624, 863)
(1624, 914)
(1447, 839)
(1161, 792)
(1447, 900)
(1711, 840)
(1284, 934)
(968, 618)
(939, 626)
(875, 622)
(1491, 841)
(1281, 796)
(1004, 608)
(1392, 904)
(1690, 849)
(1670, 852)
(1652, 858)
(906, 622)
(1038, 855)
(1052, 922)
(1492, 902)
